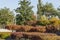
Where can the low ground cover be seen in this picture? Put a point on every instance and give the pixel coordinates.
(4, 35)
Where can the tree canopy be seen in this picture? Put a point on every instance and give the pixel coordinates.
(6, 16)
(25, 12)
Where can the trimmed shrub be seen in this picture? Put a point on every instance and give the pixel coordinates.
(55, 22)
(4, 35)
(43, 21)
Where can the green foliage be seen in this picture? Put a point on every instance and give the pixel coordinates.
(58, 12)
(55, 22)
(25, 11)
(4, 35)
(49, 9)
(19, 19)
(43, 20)
(6, 16)
(39, 9)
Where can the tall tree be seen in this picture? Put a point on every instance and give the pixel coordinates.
(25, 12)
(39, 12)
(6, 16)
(49, 9)
(58, 12)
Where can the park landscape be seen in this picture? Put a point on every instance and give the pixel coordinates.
(25, 25)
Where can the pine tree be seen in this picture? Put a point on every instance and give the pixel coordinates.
(25, 12)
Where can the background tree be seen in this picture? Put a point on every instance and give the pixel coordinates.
(25, 12)
(49, 10)
(58, 12)
(6, 16)
(39, 9)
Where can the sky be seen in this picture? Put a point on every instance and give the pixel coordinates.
(13, 4)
